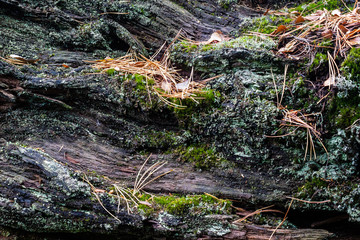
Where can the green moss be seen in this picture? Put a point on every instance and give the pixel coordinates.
(207, 47)
(261, 24)
(301, 97)
(4, 233)
(186, 46)
(204, 101)
(110, 72)
(265, 24)
(185, 205)
(310, 187)
(141, 87)
(146, 210)
(344, 111)
(140, 80)
(202, 157)
(248, 42)
(137, 91)
(181, 206)
(320, 60)
(312, 6)
(351, 65)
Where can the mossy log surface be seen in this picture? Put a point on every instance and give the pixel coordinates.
(61, 120)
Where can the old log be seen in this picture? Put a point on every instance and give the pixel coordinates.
(61, 122)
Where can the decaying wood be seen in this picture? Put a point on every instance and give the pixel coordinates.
(58, 127)
(39, 184)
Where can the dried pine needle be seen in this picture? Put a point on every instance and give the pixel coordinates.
(168, 82)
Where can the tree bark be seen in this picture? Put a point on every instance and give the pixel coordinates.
(61, 122)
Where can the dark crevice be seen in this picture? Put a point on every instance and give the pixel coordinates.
(334, 222)
(115, 42)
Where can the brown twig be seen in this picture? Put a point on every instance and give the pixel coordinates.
(272, 234)
(311, 202)
(261, 210)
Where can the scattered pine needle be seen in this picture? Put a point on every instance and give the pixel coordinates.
(294, 118)
(208, 194)
(301, 39)
(18, 60)
(98, 198)
(127, 195)
(333, 72)
(168, 82)
(142, 178)
(343, 29)
(261, 210)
